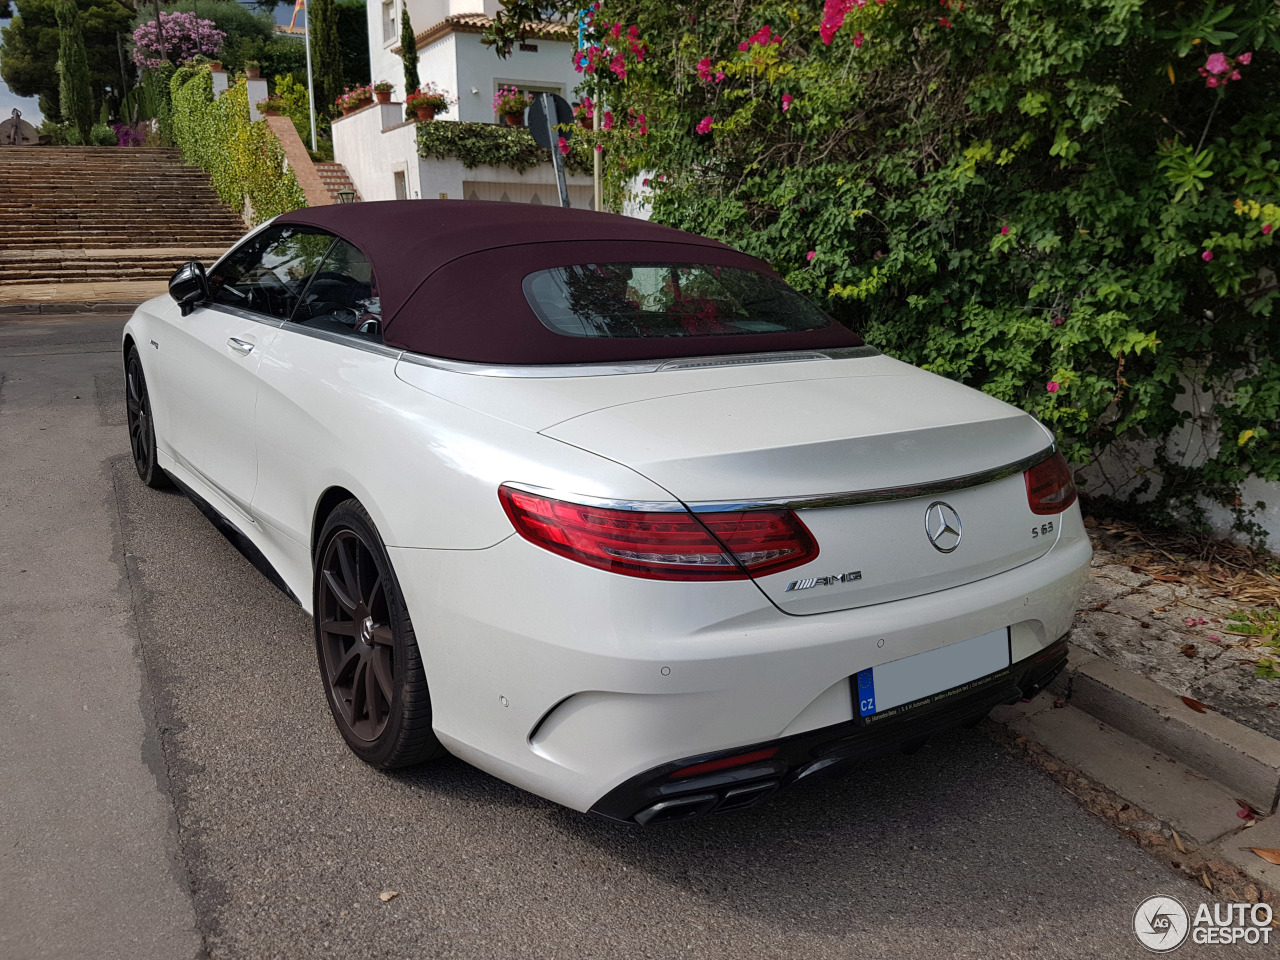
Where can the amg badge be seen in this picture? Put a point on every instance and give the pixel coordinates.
(824, 581)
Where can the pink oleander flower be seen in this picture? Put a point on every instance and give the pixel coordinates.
(1217, 63)
(1207, 256)
(1245, 58)
(810, 255)
(786, 102)
(1235, 74)
(704, 68)
(1266, 228)
(704, 125)
(1212, 82)
(1053, 386)
(1004, 231)
(564, 146)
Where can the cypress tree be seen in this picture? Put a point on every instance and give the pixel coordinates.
(408, 53)
(327, 51)
(74, 93)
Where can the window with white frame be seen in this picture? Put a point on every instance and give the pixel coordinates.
(388, 21)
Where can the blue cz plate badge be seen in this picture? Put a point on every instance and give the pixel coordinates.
(917, 681)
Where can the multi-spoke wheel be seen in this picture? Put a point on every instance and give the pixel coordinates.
(142, 434)
(366, 646)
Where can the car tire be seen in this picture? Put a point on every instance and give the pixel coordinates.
(366, 647)
(142, 431)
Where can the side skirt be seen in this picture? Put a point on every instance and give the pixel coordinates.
(237, 539)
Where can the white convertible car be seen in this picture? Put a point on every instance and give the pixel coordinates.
(600, 507)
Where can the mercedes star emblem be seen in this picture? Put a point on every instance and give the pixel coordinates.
(942, 526)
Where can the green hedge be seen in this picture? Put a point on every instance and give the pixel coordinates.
(487, 145)
(244, 159)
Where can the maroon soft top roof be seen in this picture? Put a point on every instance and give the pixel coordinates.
(449, 275)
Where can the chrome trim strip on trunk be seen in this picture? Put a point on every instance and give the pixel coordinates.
(637, 366)
(846, 499)
(854, 497)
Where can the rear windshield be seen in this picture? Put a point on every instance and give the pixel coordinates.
(656, 300)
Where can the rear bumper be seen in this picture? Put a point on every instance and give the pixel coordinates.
(654, 797)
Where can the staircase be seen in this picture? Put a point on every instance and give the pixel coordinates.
(335, 178)
(85, 217)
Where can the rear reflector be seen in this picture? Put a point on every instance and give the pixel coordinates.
(1050, 488)
(724, 763)
(662, 546)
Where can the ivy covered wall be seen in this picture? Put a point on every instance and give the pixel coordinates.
(243, 158)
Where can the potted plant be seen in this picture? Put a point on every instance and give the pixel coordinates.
(215, 66)
(427, 101)
(382, 91)
(273, 106)
(510, 103)
(353, 99)
(583, 112)
(252, 69)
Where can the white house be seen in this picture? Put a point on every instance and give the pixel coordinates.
(379, 149)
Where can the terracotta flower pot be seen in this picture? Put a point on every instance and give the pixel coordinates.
(426, 112)
(383, 96)
(215, 66)
(361, 104)
(348, 111)
(268, 111)
(253, 73)
(515, 119)
(586, 123)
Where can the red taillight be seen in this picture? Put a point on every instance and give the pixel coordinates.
(662, 546)
(724, 763)
(1050, 488)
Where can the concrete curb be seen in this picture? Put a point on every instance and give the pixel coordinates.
(74, 306)
(1242, 760)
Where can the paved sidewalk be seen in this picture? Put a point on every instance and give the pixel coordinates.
(1162, 710)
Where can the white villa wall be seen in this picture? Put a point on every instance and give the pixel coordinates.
(481, 70)
(375, 143)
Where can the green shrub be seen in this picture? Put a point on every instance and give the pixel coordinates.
(1072, 207)
(102, 136)
(244, 160)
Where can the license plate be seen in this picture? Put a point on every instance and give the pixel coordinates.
(933, 676)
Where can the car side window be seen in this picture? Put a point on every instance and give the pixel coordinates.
(269, 272)
(342, 297)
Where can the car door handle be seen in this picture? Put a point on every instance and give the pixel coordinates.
(242, 347)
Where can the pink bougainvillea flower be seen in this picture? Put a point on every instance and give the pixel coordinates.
(1217, 63)
(719, 76)
(704, 68)
(633, 32)
(945, 22)
(1266, 228)
(857, 39)
(743, 46)
(1004, 231)
(564, 146)
(1215, 638)
(1211, 82)
(786, 102)
(615, 31)
(1235, 74)
(1207, 256)
(704, 125)
(599, 148)
(608, 120)
(810, 255)
(1053, 386)
(833, 14)
(644, 182)
(1245, 59)
(1190, 621)
(1059, 321)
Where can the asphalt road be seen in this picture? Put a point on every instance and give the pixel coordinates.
(172, 785)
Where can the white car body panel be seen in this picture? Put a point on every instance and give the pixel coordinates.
(568, 680)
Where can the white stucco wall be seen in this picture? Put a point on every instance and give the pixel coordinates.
(479, 68)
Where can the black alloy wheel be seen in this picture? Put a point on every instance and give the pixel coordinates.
(366, 647)
(142, 433)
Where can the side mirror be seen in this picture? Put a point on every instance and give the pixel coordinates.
(189, 286)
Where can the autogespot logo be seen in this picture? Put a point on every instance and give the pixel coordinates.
(1161, 923)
